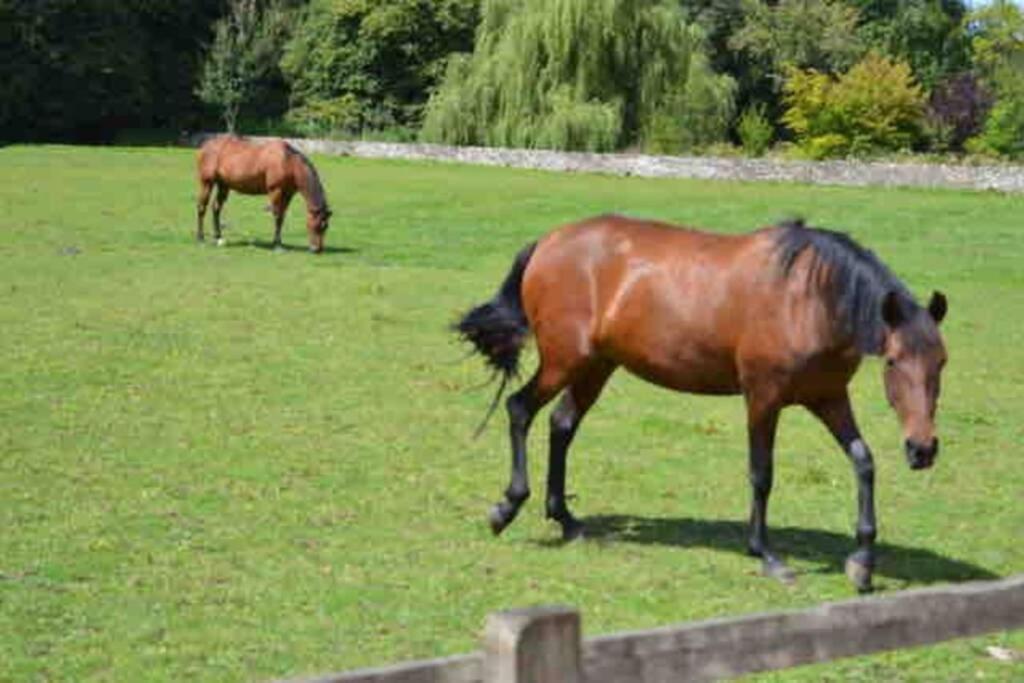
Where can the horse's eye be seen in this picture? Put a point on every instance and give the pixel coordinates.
(890, 362)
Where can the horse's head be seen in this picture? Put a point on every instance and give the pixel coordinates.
(317, 222)
(914, 358)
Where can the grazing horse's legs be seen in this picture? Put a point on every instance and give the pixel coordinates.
(762, 419)
(204, 199)
(837, 415)
(522, 407)
(565, 420)
(218, 204)
(278, 206)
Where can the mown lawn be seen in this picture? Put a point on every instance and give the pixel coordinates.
(231, 464)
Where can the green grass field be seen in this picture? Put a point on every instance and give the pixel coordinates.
(231, 464)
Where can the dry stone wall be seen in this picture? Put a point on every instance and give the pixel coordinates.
(1001, 178)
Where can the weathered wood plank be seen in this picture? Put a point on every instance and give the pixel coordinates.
(721, 648)
(533, 645)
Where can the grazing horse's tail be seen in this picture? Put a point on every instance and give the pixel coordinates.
(498, 329)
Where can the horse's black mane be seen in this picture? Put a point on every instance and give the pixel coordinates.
(857, 281)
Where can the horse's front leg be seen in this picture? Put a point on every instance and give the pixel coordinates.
(278, 207)
(837, 415)
(762, 420)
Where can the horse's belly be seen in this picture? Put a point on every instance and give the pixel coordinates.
(688, 370)
(246, 184)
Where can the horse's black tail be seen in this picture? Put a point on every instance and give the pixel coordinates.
(498, 329)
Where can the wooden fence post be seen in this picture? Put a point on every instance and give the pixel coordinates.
(533, 645)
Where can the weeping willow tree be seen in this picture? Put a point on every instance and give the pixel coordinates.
(592, 75)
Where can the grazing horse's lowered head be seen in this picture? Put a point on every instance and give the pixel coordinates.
(317, 223)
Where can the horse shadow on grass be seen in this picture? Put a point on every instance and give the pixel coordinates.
(268, 245)
(826, 549)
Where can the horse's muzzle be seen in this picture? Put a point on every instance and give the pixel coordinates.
(921, 456)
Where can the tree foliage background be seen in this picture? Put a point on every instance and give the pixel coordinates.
(582, 74)
(663, 75)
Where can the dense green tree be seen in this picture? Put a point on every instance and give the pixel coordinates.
(241, 65)
(927, 34)
(582, 74)
(362, 64)
(82, 69)
(997, 35)
(807, 34)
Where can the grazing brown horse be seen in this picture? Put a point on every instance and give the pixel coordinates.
(782, 316)
(273, 168)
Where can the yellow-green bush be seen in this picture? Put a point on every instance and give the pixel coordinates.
(875, 106)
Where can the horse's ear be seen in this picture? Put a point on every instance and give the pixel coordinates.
(892, 311)
(937, 307)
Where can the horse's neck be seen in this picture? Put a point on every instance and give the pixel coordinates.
(308, 185)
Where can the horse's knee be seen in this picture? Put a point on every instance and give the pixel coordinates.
(863, 463)
(563, 419)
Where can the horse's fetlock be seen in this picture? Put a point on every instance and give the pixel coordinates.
(556, 509)
(866, 533)
(517, 496)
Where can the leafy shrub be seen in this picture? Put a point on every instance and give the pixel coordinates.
(957, 109)
(874, 107)
(1003, 133)
(755, 131)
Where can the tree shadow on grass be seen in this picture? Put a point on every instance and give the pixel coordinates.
(269, 246)
(825, 548)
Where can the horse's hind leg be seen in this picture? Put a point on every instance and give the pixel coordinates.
(218, 205)
(565, 420)
(522, 407)
(201, 203)
(278, 206)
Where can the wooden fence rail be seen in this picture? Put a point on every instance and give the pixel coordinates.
(543, 644)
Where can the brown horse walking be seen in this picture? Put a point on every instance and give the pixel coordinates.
(782, 316)
(274, 168)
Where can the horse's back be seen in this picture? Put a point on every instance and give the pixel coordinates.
(242, 165)
(672, 305)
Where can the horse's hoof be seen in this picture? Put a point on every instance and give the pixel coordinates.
(221, 241)
(859, 574)
(572, 530)
(498, 519)
(778, 570)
